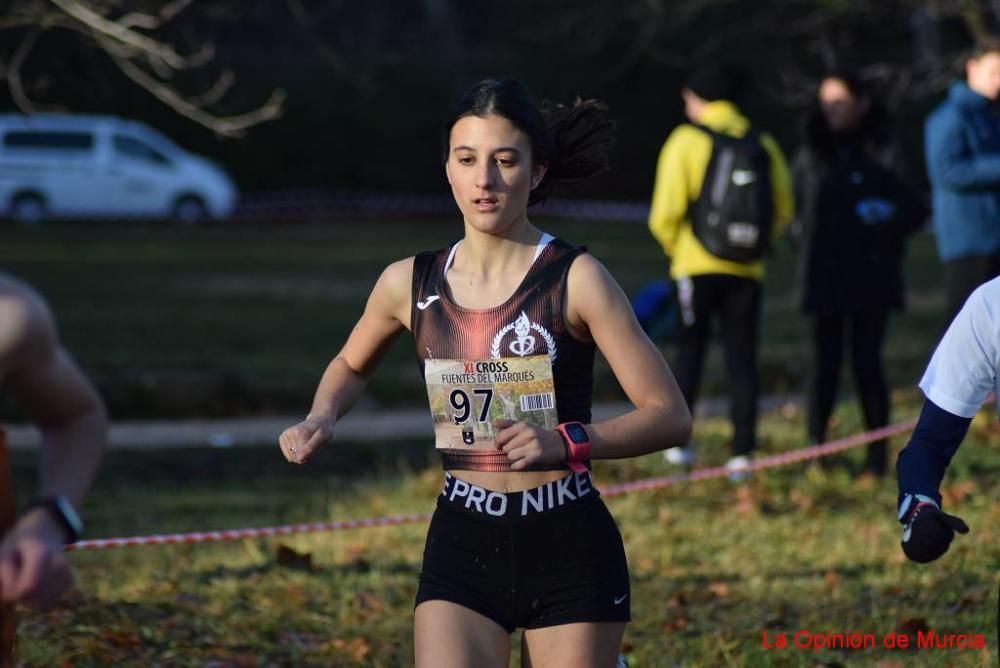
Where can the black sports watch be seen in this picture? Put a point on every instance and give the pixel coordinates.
(63, 512)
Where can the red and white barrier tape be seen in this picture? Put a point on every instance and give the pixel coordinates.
(237, 534)
(805, 454)
(812, 452)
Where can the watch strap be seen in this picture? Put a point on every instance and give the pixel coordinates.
(61, 510)
(576, 453)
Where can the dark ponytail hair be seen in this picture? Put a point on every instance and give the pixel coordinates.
(573, 141)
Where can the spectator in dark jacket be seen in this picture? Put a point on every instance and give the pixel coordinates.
(854, 213)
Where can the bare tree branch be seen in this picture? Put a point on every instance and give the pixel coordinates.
(148, 22)
(14, 70)
(306, 23)
(149, 47)
(214, 94)
(650, 23)
(227, 126)
(144, 57)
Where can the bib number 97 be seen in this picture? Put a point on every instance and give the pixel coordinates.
(462, 404)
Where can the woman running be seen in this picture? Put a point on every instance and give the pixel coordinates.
(506, 322)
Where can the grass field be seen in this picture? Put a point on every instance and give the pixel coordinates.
(236, 319)
(241, 319)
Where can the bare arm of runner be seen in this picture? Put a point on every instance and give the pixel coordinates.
(598, 310)
(386, 315)
(67, 410)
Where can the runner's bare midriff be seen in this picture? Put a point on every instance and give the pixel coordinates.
(510, 481)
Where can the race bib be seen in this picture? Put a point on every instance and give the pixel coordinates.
(466, 396)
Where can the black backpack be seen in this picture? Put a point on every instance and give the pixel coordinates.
(734, 212)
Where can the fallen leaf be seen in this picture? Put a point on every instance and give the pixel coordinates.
(368, 602)
(676, 624)
(720, 589)
(289, 558)
(801, 500)
(912, 625)
(357, 648)
(954, 495)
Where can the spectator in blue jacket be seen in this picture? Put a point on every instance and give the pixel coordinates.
(962, 142)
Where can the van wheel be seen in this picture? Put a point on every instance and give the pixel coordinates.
(27, 208)
(189, 209)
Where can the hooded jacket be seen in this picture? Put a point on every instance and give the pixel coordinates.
(679, 175)
(853, 217)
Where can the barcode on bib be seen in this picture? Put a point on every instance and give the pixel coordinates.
(537, 402)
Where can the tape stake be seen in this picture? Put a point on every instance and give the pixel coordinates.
(8, 622)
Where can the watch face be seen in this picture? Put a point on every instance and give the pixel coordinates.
(577, 433)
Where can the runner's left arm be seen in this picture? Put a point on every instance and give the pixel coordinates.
(961, 374)
(599, 310)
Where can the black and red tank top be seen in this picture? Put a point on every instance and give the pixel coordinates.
(444, 330)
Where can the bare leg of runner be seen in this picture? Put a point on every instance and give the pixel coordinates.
(573, 646)
(448, 635)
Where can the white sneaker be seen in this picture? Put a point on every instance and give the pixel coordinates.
(679, 456)
(738, 467)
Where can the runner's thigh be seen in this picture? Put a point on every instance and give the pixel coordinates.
(589, 645)
(448, 635)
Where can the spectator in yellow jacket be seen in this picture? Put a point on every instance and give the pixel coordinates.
(710, 286)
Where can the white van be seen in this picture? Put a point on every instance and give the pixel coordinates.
(69, 165)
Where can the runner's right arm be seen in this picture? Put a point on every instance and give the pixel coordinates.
(386, 315)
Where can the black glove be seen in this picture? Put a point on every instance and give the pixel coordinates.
(927, 530)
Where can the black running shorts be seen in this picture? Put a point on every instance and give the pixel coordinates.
(542, 557)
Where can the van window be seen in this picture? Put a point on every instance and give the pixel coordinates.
(133, 148)
(34, 139)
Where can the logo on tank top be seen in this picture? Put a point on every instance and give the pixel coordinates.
(524, 343)
(422, 305)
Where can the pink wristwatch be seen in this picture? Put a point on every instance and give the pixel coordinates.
(577, 443)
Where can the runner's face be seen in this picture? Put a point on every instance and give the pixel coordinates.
(489, 169)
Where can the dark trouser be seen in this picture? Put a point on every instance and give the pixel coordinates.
(964, 275)
(867, 332)
(737, 303)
